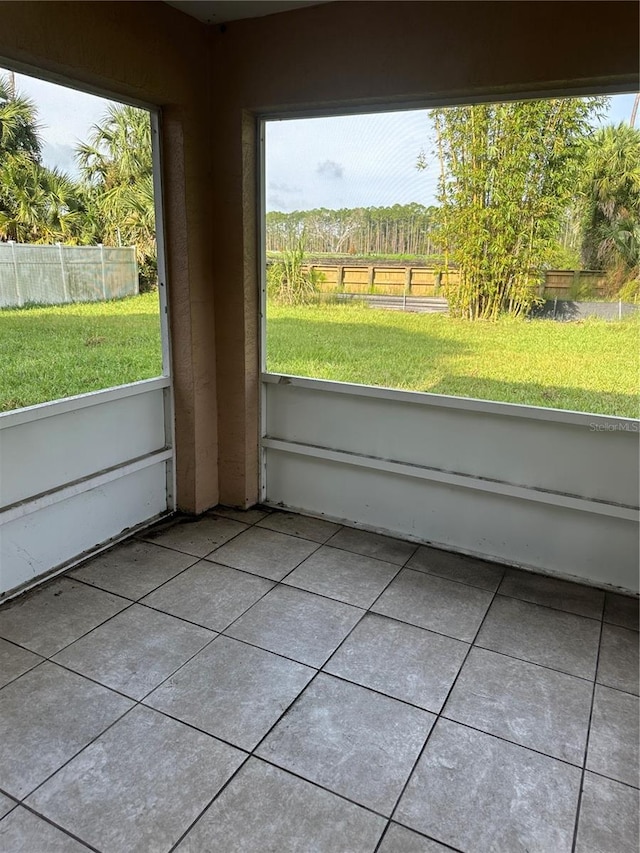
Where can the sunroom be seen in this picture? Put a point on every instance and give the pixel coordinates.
(248, 610)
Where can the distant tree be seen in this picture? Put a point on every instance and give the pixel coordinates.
(397, 230)
(37, 205)
(18, 124)
(116, 165)
(609, 201)
(507, 173)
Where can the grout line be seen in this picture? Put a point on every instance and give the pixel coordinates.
(99, 588)
(535, 663)
(282, 715)
(209, 804)
(382, 837)
(182, 520)
(617, 689)
(219, 562)
(193, 727)
(223, 631)
(270, 651)
(499, 592)
(49, 657)
(356, 553)
(283, 582)
(289, 586)
(370, 556)
(287, 772)
(297, 775)
(375, 690)
(446, 699)
(77, 753)
(138, 704)
(132, 540)
(511, 742)
(263, 738)
(26, 671)
(631, 787)
(212, 565)
(93, 680)
(549, 606)
(57, 826)
(417, 832)
(586, 750)
(262, 526)
(276, 583)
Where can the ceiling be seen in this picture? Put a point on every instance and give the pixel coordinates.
(222, 11)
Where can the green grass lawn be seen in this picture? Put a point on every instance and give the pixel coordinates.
(590, 366)
(48, 353)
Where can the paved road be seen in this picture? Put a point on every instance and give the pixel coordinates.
(417, 304)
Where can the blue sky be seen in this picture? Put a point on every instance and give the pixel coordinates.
(366, 160)
(65, 118)
(343, 161)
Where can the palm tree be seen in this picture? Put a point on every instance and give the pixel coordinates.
(37, 205)
(64, 212)
(18, 124)
(21, 199)
(116, 165)
(19, 159)
(610, 199)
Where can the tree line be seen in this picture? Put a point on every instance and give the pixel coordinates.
(111, 203)
(398, 230)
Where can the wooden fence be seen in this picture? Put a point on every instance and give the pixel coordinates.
(427, 281)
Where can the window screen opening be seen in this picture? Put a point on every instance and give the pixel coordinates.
(487, 251)
(79, 303)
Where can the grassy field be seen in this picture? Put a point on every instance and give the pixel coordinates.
(590, 366)
(48, 353)
(593, 366)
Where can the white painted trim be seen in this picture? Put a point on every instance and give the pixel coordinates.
(156, 153)
(479, 484)
(419, 540)
(126, 535)
(165, 333)
(81, 401)
(85, 484)
(262, 272)
(469, 404)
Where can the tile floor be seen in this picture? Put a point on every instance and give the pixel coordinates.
(263, 681)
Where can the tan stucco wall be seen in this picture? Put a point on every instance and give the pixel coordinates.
(211, 85)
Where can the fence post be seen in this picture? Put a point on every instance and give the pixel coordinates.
(65, 286)
(15, 272)
(340, 279)
(104, 282)
(407, 280)
(370, 274)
